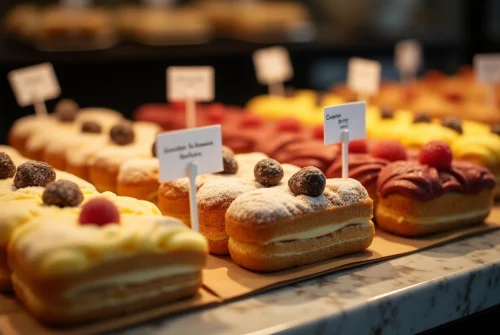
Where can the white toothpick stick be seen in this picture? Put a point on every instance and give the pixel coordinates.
(277, 89)
(40, 108)
(192, 172)
(190, 112)
(344, 138)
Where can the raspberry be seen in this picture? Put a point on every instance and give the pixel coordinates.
(179, 105)
(390, 150)
(289, 124)
(100, 212)
(215, 114)
(358, 146)
(318, 132)
(437, 154)
(251, 121)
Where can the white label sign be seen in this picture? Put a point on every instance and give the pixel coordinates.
(190, 82)
(351, 116)
(408, 56)
(363, 76)
(272, 65)
(176, 150)
(34, 84)
(487, 68)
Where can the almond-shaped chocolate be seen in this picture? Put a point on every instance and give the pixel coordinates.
(34, 173)
(454, 123)
(66, 110)
(122, 133)
(91, 127)
(229, 162)
(268, 172)
(308, 181)
(422, 117)
(62, 193)
(7, 166)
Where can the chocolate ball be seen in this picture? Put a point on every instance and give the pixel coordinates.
(229, 162)
(122, 133)
(66, 110)
(308, 181)
(387, 113)
(62, 193)
(422, 117)
(7, 166)
(495, 129)
(91, 127)
(454, 123)
(34, 173)
(268, 172)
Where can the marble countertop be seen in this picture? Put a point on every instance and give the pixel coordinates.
(405, 295)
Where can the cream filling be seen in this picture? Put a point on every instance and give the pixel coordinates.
(109, 302)
(320, 231)
(133, 278)
(436, 219)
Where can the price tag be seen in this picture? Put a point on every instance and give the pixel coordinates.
(188, 153)
(33, 85)
(272, 65)
(487, 68)
(342, 123)
(363, 76)
(408, 57)
(177, 149)
(190, 82)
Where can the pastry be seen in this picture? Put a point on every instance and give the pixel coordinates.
(432, 195)
(24, 127)
(126, 141)
(215, 197)
(138, 178)
(315, 219)
(173, 196)
(72, 268)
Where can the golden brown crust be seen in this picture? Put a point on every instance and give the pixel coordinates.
(408, 217)
(218, 247)
(81, 171)
(251, 232)
(103, 178)
(18, 142)
(144, 190)
(56, 159)
(260, 257)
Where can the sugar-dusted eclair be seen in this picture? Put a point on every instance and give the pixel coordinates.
(72, 268)
(311, 220)
(173, 196)
(432, 195)
(215, 197)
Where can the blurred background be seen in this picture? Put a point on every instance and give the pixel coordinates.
(114, 53)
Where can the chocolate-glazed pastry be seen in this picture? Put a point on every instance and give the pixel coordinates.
(422, 117)
(66, 110)
(308, 181)
(91, 127)
(268, 172)
(62, 193)
(122, 133)
(7, 166)
(34, 173)
(454, 123)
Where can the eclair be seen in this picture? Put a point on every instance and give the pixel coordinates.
(73, 268)
(310, 220)
(433, 195)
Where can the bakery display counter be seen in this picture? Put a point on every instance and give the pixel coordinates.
(406, 295)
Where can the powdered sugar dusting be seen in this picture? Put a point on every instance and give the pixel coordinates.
(138, 169)
(270, 204)
(223, 192)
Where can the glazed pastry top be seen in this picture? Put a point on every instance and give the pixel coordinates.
(424, 183)
(362, 167)
(483, 149)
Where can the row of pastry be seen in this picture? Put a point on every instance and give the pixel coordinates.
(72, 254)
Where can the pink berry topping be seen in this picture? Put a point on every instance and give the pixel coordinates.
(358, 146)
(318, 132)
(437, 154)
(99, 212)
(289, 124)
(390, 150)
